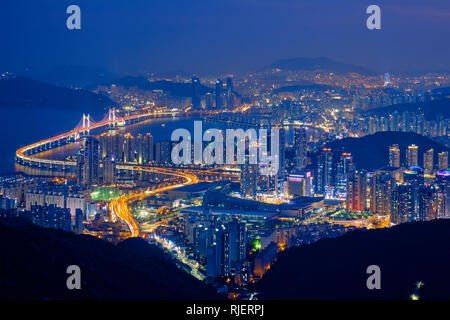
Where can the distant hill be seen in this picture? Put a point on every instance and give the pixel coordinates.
(371, 152)
(313, 86)
(316, 64)
(443, 92)
(336, 268)
(34, 261)
(174, 88)
(430, 109)
(25, 93)
(75, 76)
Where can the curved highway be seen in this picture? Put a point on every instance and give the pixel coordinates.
(120, 206)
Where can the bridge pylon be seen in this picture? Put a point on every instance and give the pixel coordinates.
(86, 123)
(112, 117)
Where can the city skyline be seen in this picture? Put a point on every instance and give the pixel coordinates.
(235, 150)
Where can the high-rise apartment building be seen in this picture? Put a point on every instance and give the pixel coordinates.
(357, 191)
(412, 155)
(394, 156)
(428, 161)
(443, 160)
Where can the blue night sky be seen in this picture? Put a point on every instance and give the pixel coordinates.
(209, 36)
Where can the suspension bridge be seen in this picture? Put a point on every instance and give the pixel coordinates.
(28, 155)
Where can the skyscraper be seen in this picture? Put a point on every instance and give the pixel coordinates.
(324, 171)
(282, 153)
(344, 167)
(227, 251)
(443, 183)
(428, 161)
(357, 191)
(249, 175)
(111, 143)
(128, 148)
(238, 239)
(88, 162)
(81, 159)
(412, 155)
(402, 207)
(443, 160)
(382, 184)
(139, 149)
(413, 176)
(394, 156)
(209, 100)
(163, 149)
(219, 94)
(230, 94)
(300, 148)
(109, 165)
(148, 148)
(196, 98)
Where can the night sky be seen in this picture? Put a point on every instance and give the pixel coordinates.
(211, 36)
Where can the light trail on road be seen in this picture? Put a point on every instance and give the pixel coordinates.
(120, 209)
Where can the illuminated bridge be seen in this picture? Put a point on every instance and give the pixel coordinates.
(28, 156)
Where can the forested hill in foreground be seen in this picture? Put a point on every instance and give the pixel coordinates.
(336, 268)
(371, 152)
(34, 262)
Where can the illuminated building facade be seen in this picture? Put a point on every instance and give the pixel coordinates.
(357, 191)
(394, 156)
(412, 155)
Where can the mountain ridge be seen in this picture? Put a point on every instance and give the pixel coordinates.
(336, 268)
(34, 262)
(315, 64)
(26, 93)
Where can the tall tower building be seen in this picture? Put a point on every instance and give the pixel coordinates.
(414, 178)
(402, 207)
(443, 160)
(148, 148)
(111, 143)
(344, 167)
(428, 161)
(357, 191)
(219, 94)
(300, 148)
(81, 159)
(163, 149)
(230, 94)
(281, 176)
(209, 101)
(443, 183)
(109, 165)
(412, 156)
(394, 156)
(91, 161)
(238, 239)
(139, 149)
(249, 175)
(196, 98)
(324, 170)
(382, 184)
(128, 148)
